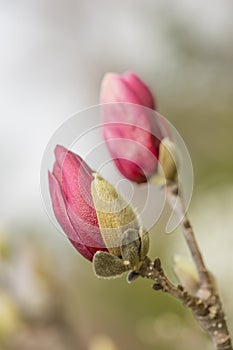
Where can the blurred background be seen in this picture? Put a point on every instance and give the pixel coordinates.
(54, 54)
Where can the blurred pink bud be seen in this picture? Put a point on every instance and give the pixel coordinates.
(131, 128)
(127, 87)
(70, 190)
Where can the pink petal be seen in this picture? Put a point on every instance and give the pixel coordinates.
(128, 136)
(75, 177)
(115, 89)
(140, 89)
(90, 234)
(60, 212)
(76, 185)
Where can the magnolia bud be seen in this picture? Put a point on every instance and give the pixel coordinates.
(100, 224)
(136, 136)
(167, 169)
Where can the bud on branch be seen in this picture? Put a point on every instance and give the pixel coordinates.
(95, 218)
(137, 137)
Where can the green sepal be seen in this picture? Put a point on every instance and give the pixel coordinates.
(130, 246)
(107, 265)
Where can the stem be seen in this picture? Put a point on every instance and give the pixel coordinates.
(209, 313)
(175, 200)
(207, 307)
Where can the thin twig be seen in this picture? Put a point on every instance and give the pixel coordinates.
(209, 313)
(175, 200)
(213, 318)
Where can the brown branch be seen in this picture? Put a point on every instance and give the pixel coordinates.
(209, 312)
(175, 200)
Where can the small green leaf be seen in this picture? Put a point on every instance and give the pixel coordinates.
(107, 265)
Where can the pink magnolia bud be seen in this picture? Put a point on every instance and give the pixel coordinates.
(131, 129)
(100, 224)
(90, 211)
(70, 189)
